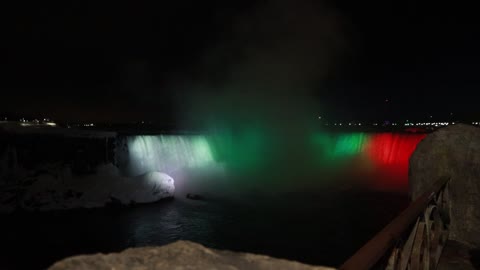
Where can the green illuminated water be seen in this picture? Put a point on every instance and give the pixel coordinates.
(333, 149)
(244, 150)
(247, 150)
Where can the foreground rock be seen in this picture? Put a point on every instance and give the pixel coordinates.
(452, 152)
(107, 186)
(178, 255)
(457, 256)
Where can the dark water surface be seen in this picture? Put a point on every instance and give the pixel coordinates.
(322, 228)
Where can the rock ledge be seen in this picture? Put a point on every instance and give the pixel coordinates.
(180, 255)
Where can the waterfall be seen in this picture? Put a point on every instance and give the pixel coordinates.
(393, 148)
(379, 157)
(382, 158)
(167, 153)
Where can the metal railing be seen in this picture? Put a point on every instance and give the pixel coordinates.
(413, 240)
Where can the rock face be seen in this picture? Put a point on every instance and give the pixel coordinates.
(181, 255)
(452, 152)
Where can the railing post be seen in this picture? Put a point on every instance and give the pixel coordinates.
(419, 242)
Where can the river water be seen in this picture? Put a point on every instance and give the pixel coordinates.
(322, 225)
(312, 228)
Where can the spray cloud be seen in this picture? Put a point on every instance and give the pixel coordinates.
(255, 89)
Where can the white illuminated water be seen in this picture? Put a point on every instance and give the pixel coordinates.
(167, 153)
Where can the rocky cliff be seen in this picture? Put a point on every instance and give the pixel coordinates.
(452, 152)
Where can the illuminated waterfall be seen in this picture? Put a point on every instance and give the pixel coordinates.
(380, 157)
(390, 154)
(391, 148)
(167, 153)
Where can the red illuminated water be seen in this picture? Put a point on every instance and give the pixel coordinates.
(390, 154)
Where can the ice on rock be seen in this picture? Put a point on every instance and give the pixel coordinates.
(64, 191)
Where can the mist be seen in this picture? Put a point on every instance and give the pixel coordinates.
(253, 93)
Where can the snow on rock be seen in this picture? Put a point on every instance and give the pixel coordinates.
(7, 201)
(179, 255)
(9, 167)
(66, 191)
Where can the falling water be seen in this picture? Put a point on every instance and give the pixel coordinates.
(167, 153)
(380, 157)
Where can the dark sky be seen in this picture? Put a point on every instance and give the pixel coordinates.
(141, 61)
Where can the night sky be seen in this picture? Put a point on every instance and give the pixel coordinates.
(92, 61)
